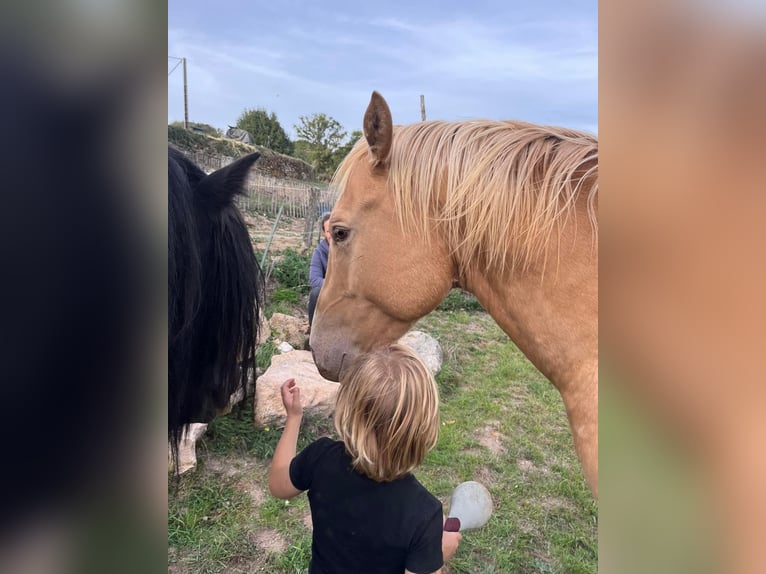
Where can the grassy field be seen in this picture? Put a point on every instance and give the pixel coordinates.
(503, 425)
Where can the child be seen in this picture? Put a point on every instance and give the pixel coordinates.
(370, 514)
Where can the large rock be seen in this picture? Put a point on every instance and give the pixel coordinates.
(317, 393)
(288, 329)
(426, 347)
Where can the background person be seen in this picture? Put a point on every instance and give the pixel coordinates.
(318, 265)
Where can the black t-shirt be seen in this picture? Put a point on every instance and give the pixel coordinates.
(362, 526)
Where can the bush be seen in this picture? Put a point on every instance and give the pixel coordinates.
(263, 354)
(282, 295)
(292, 271)
(459, 300)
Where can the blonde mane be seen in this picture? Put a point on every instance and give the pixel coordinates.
(501, 188)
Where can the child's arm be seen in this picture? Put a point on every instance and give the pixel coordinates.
(450, 541)
(280, 484)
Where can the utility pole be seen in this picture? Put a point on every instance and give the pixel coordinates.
(186, 100)
(422, 107)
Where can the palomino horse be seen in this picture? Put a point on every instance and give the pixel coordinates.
(505, 210)
(215, 290)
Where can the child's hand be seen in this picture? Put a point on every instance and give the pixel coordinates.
(450, 541)
(291, 398)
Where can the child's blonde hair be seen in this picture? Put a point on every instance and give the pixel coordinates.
(387, 412)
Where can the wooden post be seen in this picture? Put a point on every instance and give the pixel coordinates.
(186, 100)
(311, 217)
(422, 108)
(271, 237)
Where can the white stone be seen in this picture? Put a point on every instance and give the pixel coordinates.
(285, 347)
(426, 347)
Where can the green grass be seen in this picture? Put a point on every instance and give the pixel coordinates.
(291, 271)
(279, 307)
(263, 354)
(458, 300)
(503, 424)
(206, 521)
(650, 479)
(545, 518)
(285, 295)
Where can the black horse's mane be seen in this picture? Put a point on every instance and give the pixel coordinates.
(215, 290)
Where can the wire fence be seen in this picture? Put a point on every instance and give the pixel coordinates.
(266, 194)
(297, 199)
(209, 162)
(282, 200)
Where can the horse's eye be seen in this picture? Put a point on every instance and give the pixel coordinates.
(339, 234)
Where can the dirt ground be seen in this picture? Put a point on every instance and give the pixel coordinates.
(251, 477)
(289, 233)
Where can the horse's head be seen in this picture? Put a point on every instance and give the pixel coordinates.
(380, 277)
(215, 290)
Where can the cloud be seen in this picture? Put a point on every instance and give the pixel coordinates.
(542, 70)
(468, 49)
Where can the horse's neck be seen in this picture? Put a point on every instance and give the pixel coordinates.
(552, 319)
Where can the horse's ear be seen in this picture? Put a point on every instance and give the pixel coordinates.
(378, 129)
(223, 184)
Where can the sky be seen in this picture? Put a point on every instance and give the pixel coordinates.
(531, 61)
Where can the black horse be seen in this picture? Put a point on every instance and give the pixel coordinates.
(215, 290)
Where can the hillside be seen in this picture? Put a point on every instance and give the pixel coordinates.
(271, 163)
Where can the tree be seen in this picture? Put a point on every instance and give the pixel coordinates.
(265, 129)
(320, 137)
(321, 130)
(344, 150)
